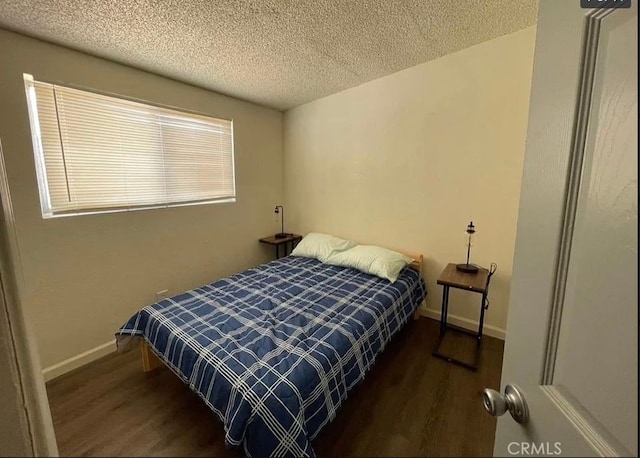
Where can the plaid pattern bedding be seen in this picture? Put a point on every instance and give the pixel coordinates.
(275, 350)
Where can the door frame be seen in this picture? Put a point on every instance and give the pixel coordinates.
(34, 425)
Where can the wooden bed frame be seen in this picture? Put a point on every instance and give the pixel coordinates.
(416, 264)
(150, 361)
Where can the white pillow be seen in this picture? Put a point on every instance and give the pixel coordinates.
(321, 246)
(373, 260)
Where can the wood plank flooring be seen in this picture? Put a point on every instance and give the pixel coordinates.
(410, 404)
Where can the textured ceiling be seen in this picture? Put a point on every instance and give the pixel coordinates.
(276, 53)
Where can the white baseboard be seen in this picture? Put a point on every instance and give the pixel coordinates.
(51, 372)
(466, 323)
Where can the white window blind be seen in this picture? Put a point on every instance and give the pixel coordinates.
(101, 153)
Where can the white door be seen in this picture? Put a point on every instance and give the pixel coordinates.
(571, 345)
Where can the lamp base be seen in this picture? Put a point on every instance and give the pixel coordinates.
(467, 268)
(281, 235)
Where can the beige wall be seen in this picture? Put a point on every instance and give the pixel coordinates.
(384, 163)
(406, 161)
(85, 275)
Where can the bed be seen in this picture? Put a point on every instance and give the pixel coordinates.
(276, 349)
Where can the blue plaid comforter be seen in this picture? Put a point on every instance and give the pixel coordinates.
(275, 350)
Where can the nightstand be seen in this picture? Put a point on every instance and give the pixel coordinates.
(475, 283)
(290, 241)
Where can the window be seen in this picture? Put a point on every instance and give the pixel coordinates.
(97, 153)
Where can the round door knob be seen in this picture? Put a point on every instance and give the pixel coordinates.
(494, 403)
(513, 401)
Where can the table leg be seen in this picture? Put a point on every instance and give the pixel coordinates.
(481, 324)
(444, 327)
(445, 307)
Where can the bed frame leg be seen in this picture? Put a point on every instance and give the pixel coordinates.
(416, 314)
(149, 360)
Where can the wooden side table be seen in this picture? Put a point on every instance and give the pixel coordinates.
(289, 241)
(475, 283)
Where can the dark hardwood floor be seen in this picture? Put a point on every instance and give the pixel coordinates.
(410, 404)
